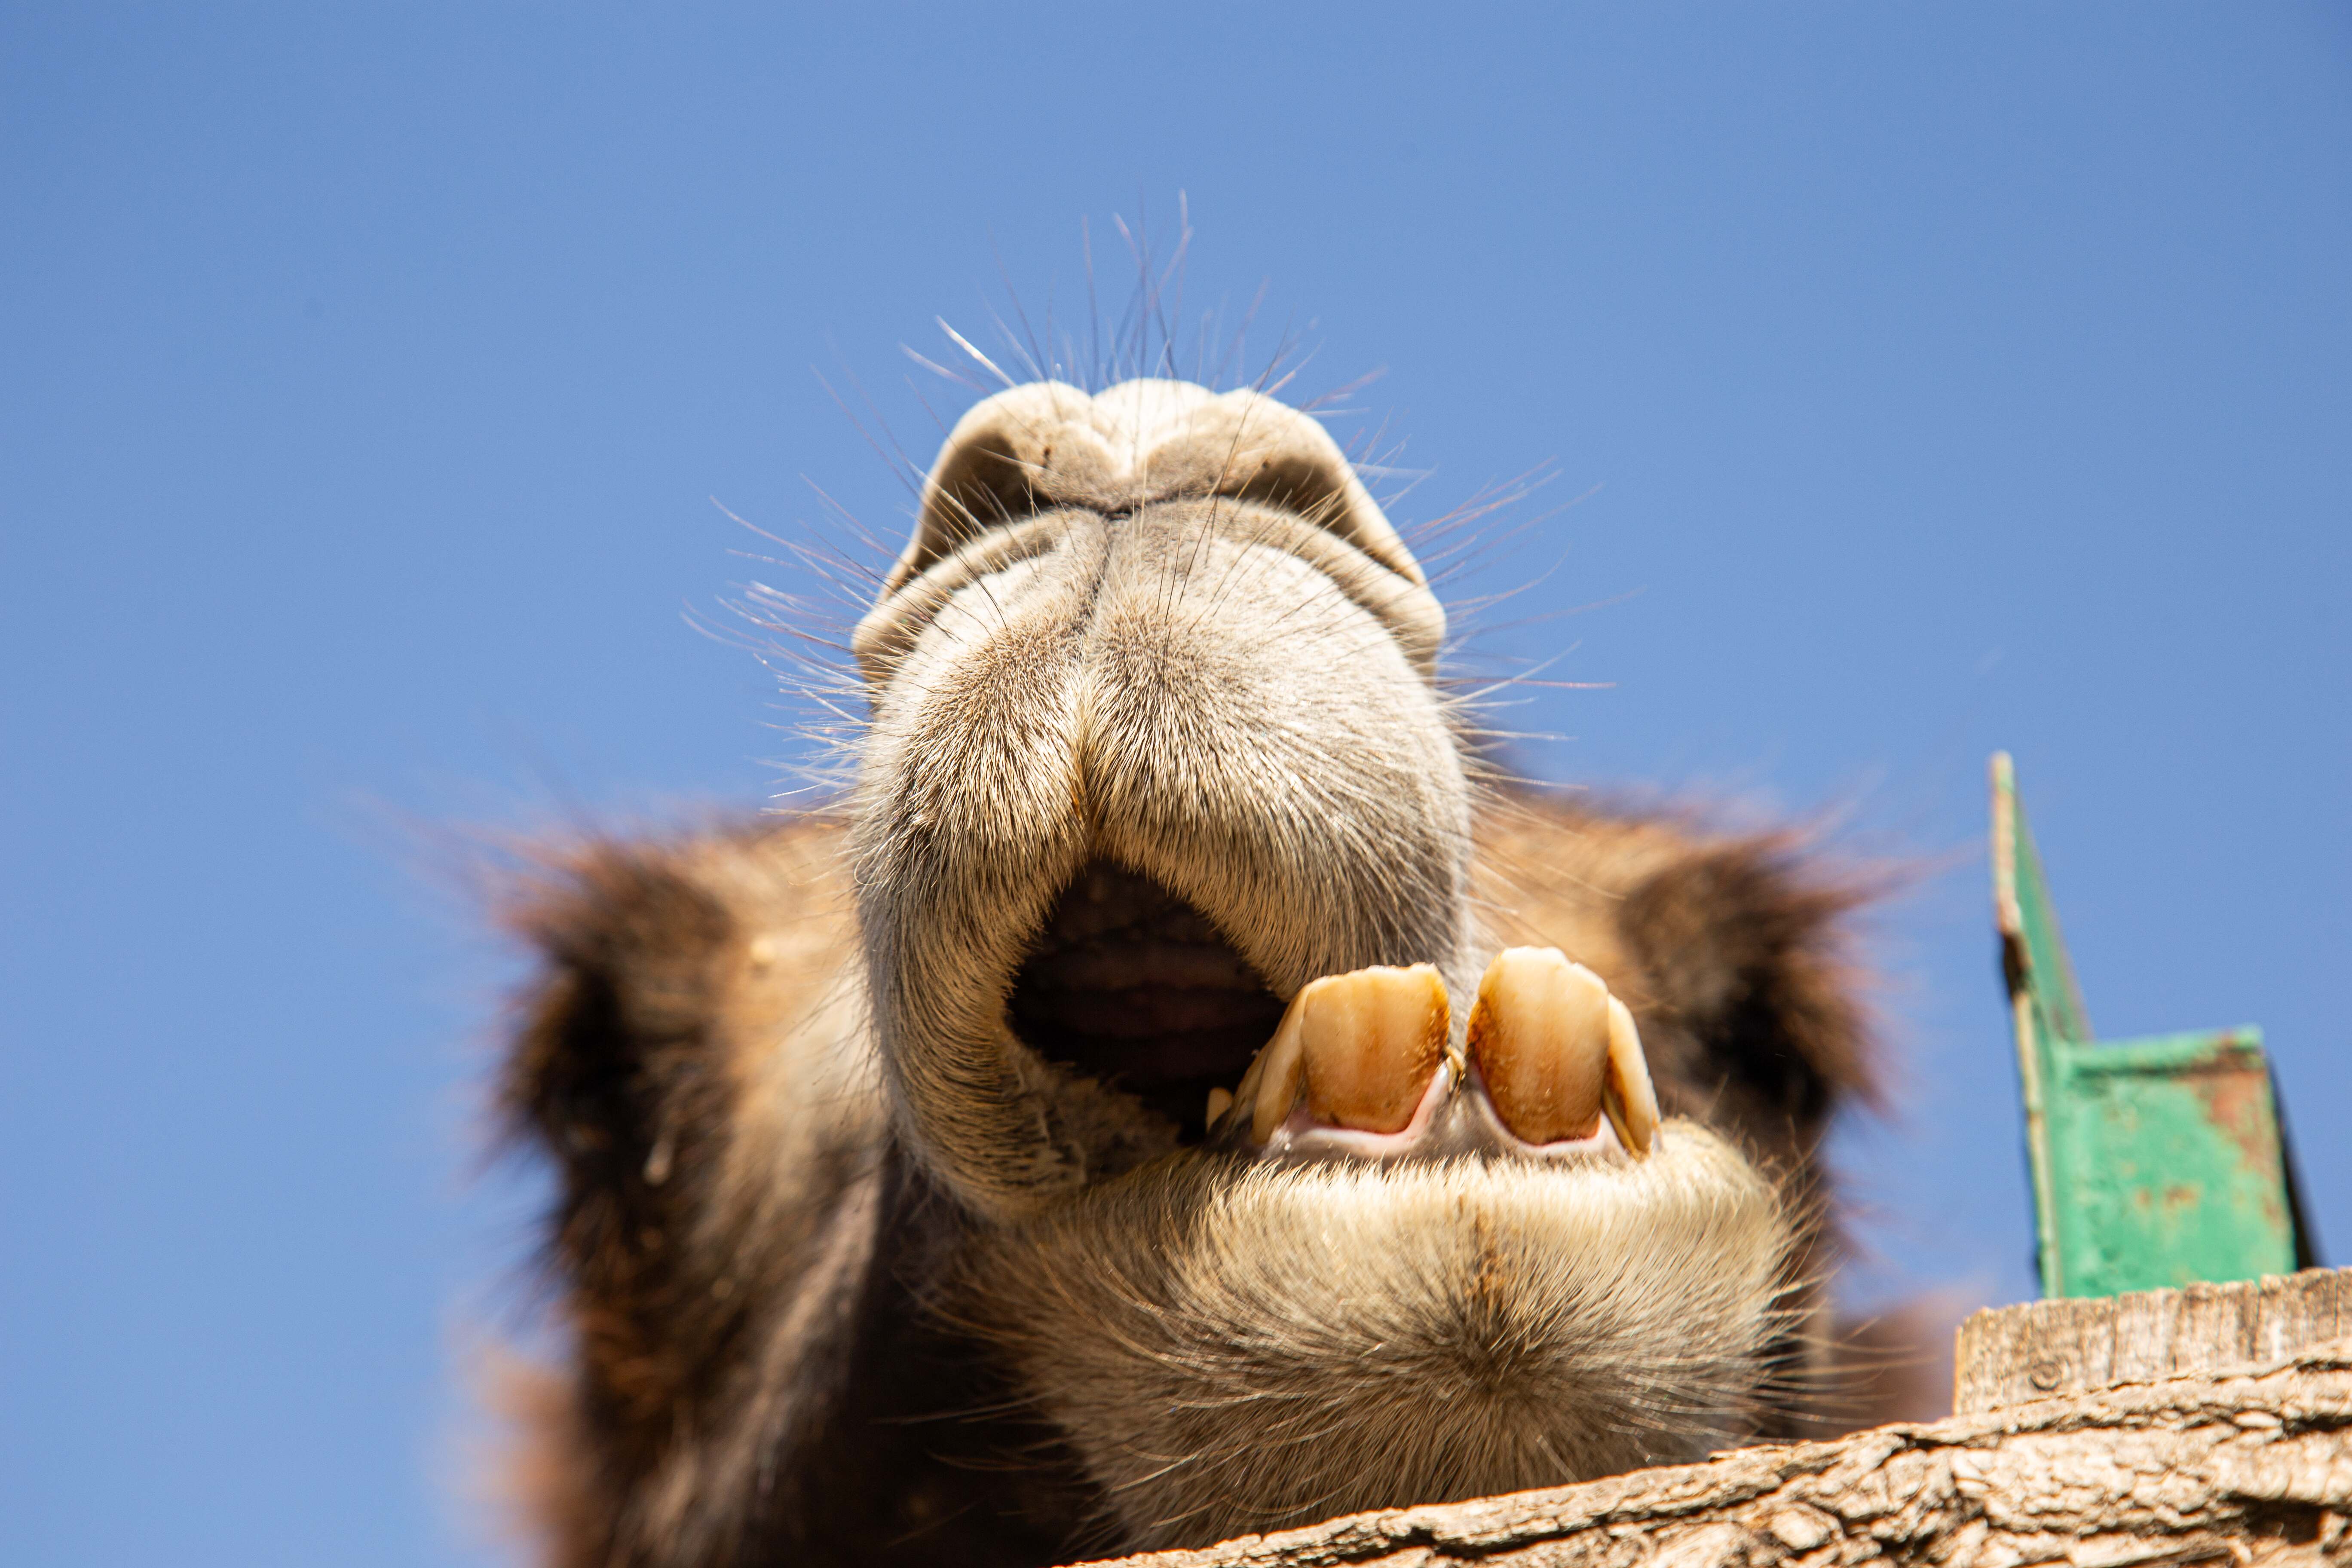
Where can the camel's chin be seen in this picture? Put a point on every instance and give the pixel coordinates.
(1235, 1342)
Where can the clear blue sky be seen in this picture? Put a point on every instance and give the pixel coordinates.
(1944, 377)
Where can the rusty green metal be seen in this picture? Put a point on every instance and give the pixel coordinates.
(2156, 1162)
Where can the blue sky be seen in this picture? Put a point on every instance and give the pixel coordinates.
(1934, 378)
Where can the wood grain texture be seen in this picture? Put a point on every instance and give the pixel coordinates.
(2044, 1349)
(2251, 1466)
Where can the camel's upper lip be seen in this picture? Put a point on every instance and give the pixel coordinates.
(1130, 985)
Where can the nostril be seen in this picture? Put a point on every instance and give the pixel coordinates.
(1322, 488)
(979, 484)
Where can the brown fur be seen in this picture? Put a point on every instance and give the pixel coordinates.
(855, 1276)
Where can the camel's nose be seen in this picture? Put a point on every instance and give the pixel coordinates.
(1038, 447)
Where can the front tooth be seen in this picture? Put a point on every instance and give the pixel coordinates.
(1220, 1101)
(1369, 1041)
(1270, 1087)
(1540, 1034)
(1633, 1099)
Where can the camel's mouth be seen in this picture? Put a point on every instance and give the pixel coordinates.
(1132, 986)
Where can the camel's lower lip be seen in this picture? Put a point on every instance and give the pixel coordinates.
(1131, 986)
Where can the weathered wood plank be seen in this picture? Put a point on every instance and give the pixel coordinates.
(2249, 1466)
(2042, 1350)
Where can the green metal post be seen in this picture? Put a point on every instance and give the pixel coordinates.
(2156, 1161)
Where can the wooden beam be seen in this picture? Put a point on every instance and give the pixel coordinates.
(2044, 1349)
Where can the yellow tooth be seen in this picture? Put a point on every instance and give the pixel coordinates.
(1270, 1087)
(1540, 1034)
(1633, 1101)
(1220, 1101)
(1369, 1041)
